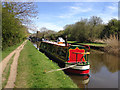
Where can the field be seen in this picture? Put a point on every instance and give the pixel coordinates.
(32, 66)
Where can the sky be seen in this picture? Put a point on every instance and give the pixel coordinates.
(55, 15)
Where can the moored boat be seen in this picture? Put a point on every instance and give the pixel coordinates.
(68, 55)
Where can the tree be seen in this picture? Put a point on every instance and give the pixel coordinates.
(110, 29)
(46, 33)
(94, 21)
(21, 10)
(78, 31)
(96, 27)
(68, 32)
(81, 31)
(13, 30)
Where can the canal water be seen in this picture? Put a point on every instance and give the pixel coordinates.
(103, 71)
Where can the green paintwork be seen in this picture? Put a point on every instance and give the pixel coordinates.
(61, 52)
(58, 51)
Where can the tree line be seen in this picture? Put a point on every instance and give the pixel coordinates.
(15, 16)
(87, 30)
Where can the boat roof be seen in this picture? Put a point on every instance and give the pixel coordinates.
(55, 43)
(63, 45)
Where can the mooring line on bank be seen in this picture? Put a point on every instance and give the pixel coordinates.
(60, 69)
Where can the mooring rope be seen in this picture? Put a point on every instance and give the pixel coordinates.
(60, 69)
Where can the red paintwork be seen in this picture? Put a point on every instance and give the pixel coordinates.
(72, 56)
(77, 71)
(88, 47)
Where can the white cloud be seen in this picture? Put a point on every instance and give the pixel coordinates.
(78, 9)
(50, 26)
(113, 7)
(74, 10)
(106, 20)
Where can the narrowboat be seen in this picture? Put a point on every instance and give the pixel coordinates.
(67, 55)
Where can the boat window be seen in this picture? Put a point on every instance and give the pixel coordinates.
(50, 47)
(54, 49)
(58, 50)
(61, 51)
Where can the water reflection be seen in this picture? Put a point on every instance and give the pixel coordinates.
(36, 44)
(99, 59)
(81, 81)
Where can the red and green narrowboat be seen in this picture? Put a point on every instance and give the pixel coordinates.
(67, 55)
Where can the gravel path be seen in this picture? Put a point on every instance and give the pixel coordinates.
(13, 70)
(4, 62)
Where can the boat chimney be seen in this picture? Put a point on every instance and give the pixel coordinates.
(66, 40)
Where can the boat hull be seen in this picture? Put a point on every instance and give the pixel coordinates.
(78, 69)
(78, 72)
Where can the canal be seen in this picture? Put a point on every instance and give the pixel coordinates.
(103, 71)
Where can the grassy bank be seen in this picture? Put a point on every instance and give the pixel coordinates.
(71, 41)
(31, 67)
(90, 44)
(8, 50)
(94, 44)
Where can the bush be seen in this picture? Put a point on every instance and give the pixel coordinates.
(113, 46)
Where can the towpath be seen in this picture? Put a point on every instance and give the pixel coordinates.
(13, 69)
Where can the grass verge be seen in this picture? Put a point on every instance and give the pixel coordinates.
(90, 44)
(71, 41)
(8, 50)
(6, 72)
(31, 67)
(94, 44)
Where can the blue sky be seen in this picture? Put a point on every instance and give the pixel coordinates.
(55, 15)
